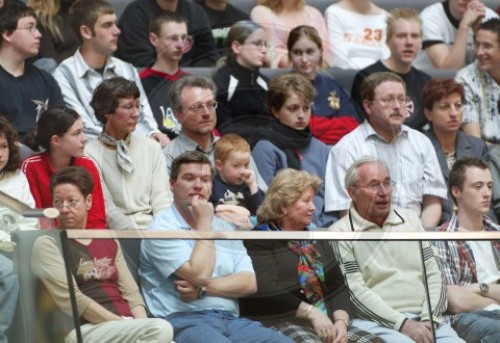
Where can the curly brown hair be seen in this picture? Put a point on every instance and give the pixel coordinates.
(10, 134)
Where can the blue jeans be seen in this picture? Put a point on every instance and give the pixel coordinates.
(220, 327)
(9, 290)
(479, 326)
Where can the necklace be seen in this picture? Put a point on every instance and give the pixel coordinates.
(450, 159)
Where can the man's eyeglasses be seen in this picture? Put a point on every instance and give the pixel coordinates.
(376, 186)
(199, 106)
(31, 28)
(177, 38)
(72, 203)
(391, 102)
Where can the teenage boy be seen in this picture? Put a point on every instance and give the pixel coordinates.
(26, 90)
(134, 46)
(94, 21)
(471, 268)
(234, 183)
(168, 35)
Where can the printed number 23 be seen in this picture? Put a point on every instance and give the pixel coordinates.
(375, 35)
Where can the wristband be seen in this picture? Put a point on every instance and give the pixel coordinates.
(309, 311)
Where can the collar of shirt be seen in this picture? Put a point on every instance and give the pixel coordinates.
(192, 146)
(359, 223)
(82, 68)
(370, 133)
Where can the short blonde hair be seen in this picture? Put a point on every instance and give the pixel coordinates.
(286, 188)
(401, 13)
(228, 143)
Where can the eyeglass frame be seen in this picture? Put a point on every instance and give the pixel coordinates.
(375, 186)
(177, 38)
(197, 107)
(391, 102)
(71, 204)
(31, 28)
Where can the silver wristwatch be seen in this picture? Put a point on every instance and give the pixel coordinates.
(484, 288)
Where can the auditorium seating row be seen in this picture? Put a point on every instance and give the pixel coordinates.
(247, 5)
(345, 76)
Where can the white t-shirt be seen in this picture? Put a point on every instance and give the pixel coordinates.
(486, 264)
(356, 40)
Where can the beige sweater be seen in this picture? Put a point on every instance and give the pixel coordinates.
(132, 199)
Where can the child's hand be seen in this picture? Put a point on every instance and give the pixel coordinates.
(249, 179)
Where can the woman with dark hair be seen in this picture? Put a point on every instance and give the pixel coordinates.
(301, 289)
(132, 167)
(289, 143)
(333, 114)
(241, 87)
(60, 133)
(442, 101)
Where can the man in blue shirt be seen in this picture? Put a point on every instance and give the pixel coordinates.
(195, 284)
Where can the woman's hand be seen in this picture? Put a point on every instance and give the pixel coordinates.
(340, 332)
(323, 326)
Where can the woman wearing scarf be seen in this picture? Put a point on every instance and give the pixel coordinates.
(132, 168)
(290, 143)
(301, 289)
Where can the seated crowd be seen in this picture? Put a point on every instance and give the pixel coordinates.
(117, 134)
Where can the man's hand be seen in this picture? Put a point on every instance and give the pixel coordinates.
(203, 213)
(160, 138)
(420, 332)
(187, 290)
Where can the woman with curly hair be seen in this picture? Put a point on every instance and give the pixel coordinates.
(301, 289)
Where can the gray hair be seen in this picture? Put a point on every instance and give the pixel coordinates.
(351, 175)
(188, 81)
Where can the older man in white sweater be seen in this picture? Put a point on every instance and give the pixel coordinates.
(386, 278)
